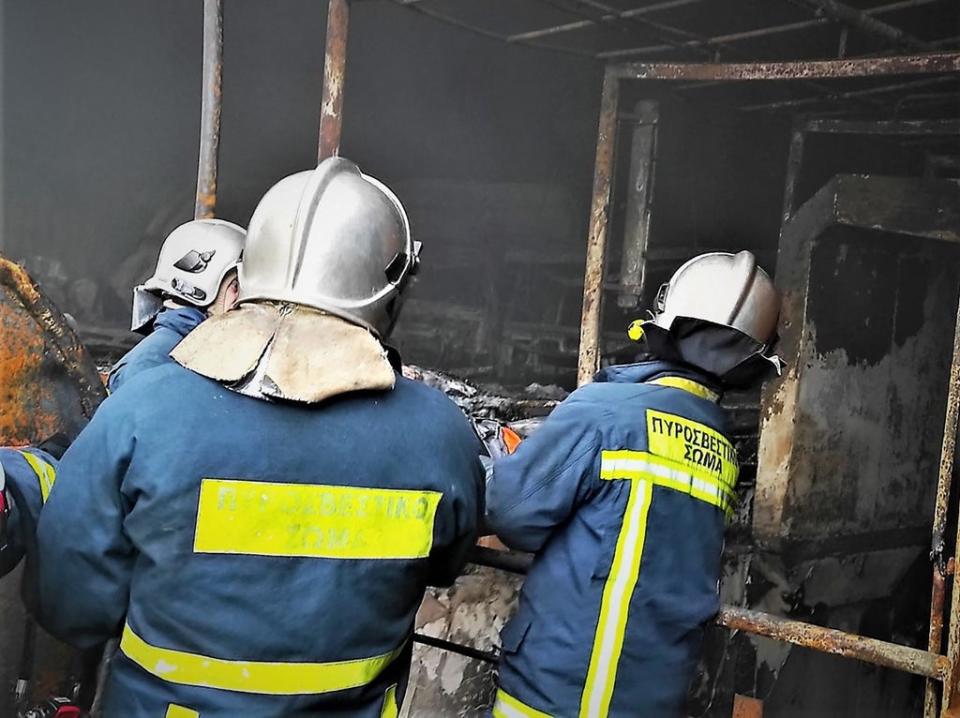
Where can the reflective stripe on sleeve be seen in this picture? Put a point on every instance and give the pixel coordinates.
(506, 706)
(390, 708)
(262, 518)
(175, 711)
(687, 385)
(615, 604)
(46, 474)
(194, 669)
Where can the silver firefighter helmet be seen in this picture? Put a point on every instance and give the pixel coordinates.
(722, 288)
(194, 259)
(333, 239)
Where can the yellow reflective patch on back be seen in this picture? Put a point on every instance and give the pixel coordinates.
(703, 451)
(261, 518)
(175, 711)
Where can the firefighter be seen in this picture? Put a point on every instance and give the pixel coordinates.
(622, 495)
(196, 277)
(261, 518)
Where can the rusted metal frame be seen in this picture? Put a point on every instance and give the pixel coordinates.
(838, 643)
(589, 353)
(211, 103)
(951, 698)
(764, 31)
(883, 127)
(598, 11)
(881, 90)
(859, 20)
(942, 62)
(483, 32)
(334, 74)
(826, 640)
(934, 639)
(586, 23)
(636, 227)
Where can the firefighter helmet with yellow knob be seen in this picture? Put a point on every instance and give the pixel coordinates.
(730, 290)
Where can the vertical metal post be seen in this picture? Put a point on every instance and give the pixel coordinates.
(334, 72)
(944, 483)
(636, 227)
(597, 238)
(794, 163)
(206, 202)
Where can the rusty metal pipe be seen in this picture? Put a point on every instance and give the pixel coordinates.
(839, 643)
(597, 238)
(334, 74)
(211, 103)
(935, 638)
(581, 24)
(861, 21)
(944, 485)
(764, 31)
(941, 62)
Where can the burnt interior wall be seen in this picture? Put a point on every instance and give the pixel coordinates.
(490, 146)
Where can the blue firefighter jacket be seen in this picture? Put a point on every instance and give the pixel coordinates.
(30, 474)
(169, 327)
(622, 494)
(256, 558)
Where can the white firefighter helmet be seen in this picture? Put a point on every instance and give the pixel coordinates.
(333, 239)
(725, 289)
(194, 259)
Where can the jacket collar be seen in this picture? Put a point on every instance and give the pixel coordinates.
(646, 372)
(182, 320)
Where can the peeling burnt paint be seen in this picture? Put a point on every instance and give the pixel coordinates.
(858, 357)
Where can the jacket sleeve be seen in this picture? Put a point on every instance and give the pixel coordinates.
(29, 476)
(537, 488)
(85, 560)
(466, 498)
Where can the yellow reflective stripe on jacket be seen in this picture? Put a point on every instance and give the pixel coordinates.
(506, 706)
(193, 669)
(688, 385)
(642, 465)
(390, 708)
(705, 452)
(175, 711)
(46, 474)
(615, 604)
(261, 518)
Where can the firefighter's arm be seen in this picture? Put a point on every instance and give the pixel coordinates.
(26, 477)
(85, 560)
(462, 511)
(539, 486)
